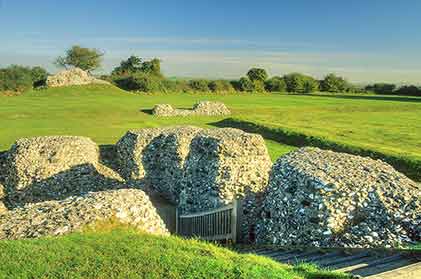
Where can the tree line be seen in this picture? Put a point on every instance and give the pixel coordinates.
(137, 74)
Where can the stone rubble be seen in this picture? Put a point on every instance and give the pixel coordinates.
(323, 198)
(55, 167)
(205, 108)
(74, 76)
(128, 206)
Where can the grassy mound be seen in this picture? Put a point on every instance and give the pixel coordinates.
(125, 253)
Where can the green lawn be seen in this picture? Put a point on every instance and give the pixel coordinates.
(124, 253)
(389, 125)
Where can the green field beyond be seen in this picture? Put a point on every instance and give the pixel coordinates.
(389, 125)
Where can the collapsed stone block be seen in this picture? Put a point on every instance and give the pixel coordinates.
(322, 198)
(51, 218)
(55, 167)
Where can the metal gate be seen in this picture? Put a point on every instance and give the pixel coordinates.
(217, 224)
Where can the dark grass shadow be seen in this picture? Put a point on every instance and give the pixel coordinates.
(147, 111)
(372, 98)
(150, 111)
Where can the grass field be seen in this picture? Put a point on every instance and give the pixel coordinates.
(388, 125)
(125, 253)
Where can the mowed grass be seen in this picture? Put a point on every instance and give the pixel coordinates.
(125, 253)
(390, 125)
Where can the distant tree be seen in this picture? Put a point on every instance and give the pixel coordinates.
(131, 65)
(87, 59)
(245, 85)
(381, 88)
(275, 84)
(310, 85)
(295, 82)
(201, 85)
(409, 90)
(134, 64)
(257, 74)
(152, 67)
(334, 84)
(39, 76)
(220, 86)
(15, 78)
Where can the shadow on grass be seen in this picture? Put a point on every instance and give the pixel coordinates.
(390, 98)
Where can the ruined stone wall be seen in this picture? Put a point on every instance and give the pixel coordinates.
(323, 198)
(205, 108)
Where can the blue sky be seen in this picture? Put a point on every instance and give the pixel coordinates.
(369, 40)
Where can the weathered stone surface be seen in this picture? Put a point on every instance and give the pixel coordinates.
(155, 157)
(55, 167)
(323, 198)
(205, 108)
(73, 76)
(211, 108)
(224, 164)
(129, 206)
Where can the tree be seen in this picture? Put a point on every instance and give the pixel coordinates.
(152, 67)
(245, 84)
(87, 59)
(409, 90)
(381, 88)
(275, 84)
(310, 85)
(334, 84)
(131, 65)
(134, 64)
(257, 74)
(295, 82)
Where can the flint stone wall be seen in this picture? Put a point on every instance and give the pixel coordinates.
(73, 76)
(55, 167)
(323, 198)
(205, 108)
(128, 206)
(198, 169)
(155, 158)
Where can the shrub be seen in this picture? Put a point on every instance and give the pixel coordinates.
(15, 78)
(169, 85)
(39, 76)
(257, 74)
(275, 84)
(87, 59)
(220, 86)
(200, 85)
(139, 82)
